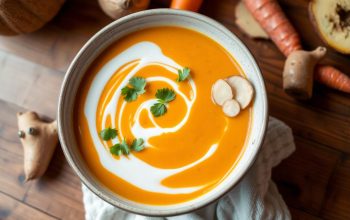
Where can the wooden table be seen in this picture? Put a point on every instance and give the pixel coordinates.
(314, 181)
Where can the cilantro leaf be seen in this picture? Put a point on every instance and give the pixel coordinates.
(139, 84)
(183, 74)
(158, 109)
(108, 134)
(125, 147)
(138, 87)
(115, 149)
(165, 95)
(120, 148)
(129, 93)
(138, 145)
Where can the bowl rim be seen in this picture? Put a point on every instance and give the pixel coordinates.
(143, 211)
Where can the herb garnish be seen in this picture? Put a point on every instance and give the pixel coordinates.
(138, 87)
(164, 96)
(120, 148)
(138, 145)
(123, 147)
(183, 74)
(108, 134)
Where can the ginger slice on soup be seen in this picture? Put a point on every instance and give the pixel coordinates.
(242, 89)
(231, 108)
(221, 92)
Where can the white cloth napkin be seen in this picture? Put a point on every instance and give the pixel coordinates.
(255, 197)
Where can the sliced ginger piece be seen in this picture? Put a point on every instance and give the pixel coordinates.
(231, 108)
(242, 89)
(221, 91)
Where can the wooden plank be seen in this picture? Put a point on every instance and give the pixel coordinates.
(29, 85)
(302, 178)
(318, 125)
(338, 196)
(13, 209)
(11, 175)
(58, 192)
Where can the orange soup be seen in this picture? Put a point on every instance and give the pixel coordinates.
(181, 148)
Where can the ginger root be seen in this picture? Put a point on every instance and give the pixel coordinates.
(298, 72)
(39, 140)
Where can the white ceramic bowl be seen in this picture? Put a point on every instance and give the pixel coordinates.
(122, 27)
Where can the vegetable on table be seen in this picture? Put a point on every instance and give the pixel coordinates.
(272, 19)
(119, 8)
(333, 78)
(19, 17)
(189, 5)
(331, 20)
(298, 72)
(270, 16)
(39, 140)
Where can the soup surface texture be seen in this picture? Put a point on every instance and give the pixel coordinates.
(188, 150)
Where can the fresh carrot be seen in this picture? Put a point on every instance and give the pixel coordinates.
(190, 5)
(333, 78)
(272, 19)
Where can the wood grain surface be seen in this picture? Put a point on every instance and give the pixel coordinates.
(314, 181)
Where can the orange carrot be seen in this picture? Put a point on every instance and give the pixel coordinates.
(272, 19)
(190, 5)
(333, 78)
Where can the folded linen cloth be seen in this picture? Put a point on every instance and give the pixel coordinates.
(255, 197)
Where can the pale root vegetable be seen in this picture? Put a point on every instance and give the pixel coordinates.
(331, 20)
(242, 89)
(189, 5)
(39, 140)
(220, 92)
(119, 8)
(298, 72)
(231, 108)
(247, 23)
